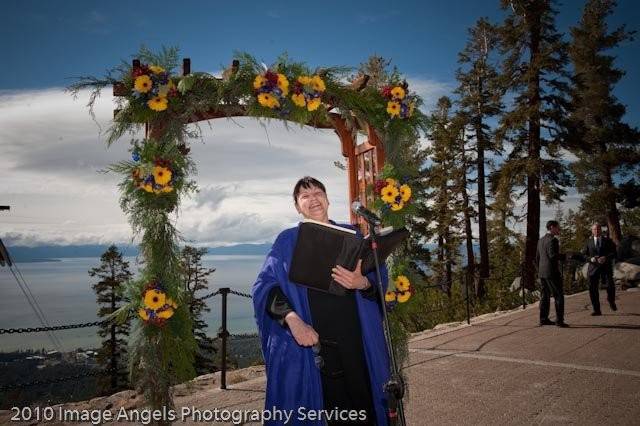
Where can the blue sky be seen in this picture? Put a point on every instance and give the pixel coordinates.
(50, 150)
(48, 41)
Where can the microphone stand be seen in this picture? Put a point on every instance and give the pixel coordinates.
(394, 388)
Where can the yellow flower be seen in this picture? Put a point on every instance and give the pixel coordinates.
(304, 79)
(154, 299)
(167, 188)
(402, 283)
(158, 103)
(393, 108)
(391, 181)
(143, 84)
(390, 296)
(397, 92)
(268, 100)
(283, 84)
(313, 104)
(143, 314)
(405, 192)
(389, 194)
(403, 296)
(318, 83)
(147, 187)
(161, 175)
(298, 99)
(165, 313)
(171, 303)
(259, 82)
(397, 206)
(156, 69)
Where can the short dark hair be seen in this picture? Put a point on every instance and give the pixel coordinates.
(306, 182)
(552, 223)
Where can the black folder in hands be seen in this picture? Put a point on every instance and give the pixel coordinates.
(321, 246)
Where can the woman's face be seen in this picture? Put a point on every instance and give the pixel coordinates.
(312, 203)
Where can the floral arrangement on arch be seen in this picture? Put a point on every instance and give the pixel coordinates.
(400, 103)
(152, 86)
(400, 294)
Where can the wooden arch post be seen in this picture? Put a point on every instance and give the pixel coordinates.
(365, 160)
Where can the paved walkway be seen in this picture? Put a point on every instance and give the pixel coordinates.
(502, 369)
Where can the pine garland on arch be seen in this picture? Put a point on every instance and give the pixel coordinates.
(159, 173)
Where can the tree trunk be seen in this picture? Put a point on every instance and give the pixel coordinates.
(533, 176)
(482, 208)
(471, 261)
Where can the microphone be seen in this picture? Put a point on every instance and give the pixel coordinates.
(368, 215)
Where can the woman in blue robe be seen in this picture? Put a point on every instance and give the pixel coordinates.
(293, 319)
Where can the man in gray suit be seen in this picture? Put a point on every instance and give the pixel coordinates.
(600, 252)
(548, 257)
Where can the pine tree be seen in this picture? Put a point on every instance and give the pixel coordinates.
(440, 179)
(195, 279)
(607, 149)
(480, 100)
(533, 72)
(113, 273)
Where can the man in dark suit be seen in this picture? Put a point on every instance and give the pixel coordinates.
(548, 257)
(600, 252)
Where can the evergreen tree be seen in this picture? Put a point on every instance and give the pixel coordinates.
(533, 72)
(440, 178)
(607, 149)
(480, 99)
(195, 279)
(112, 273)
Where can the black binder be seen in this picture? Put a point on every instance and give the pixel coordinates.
(320, 247)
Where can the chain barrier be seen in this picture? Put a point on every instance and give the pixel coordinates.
(237, 293)
(53, 328)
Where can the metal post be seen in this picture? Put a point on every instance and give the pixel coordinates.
(524, 301)
(223, 334)
(466, 290)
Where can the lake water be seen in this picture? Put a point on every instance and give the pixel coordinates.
(63, 290)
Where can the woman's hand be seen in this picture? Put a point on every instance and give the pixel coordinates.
(353, 280)
(302, 332)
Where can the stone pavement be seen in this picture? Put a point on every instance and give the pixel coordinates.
(501, 369)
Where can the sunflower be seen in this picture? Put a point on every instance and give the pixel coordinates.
(268, 100)
(403, 296)
(397, 92)
(143, 314)
(158, 103)
(402, 283)
(298, 99)
(318, 84)
(167, 188)
(143, 84)
(393, 108)
(171, 303)
(154, 299)
(389, 194)
(313, 104)
(304, 80)
(156, 69)
(283, 84)
(161, 175)
(259, 82)
(390, 296)
(395, 206)
(391, 181)
(166, 313)
(405, 192)
(147, 187)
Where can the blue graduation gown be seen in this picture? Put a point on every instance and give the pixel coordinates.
(293, 380)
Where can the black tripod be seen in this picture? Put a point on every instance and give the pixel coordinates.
(394, 388)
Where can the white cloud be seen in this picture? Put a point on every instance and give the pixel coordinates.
(51, 151)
